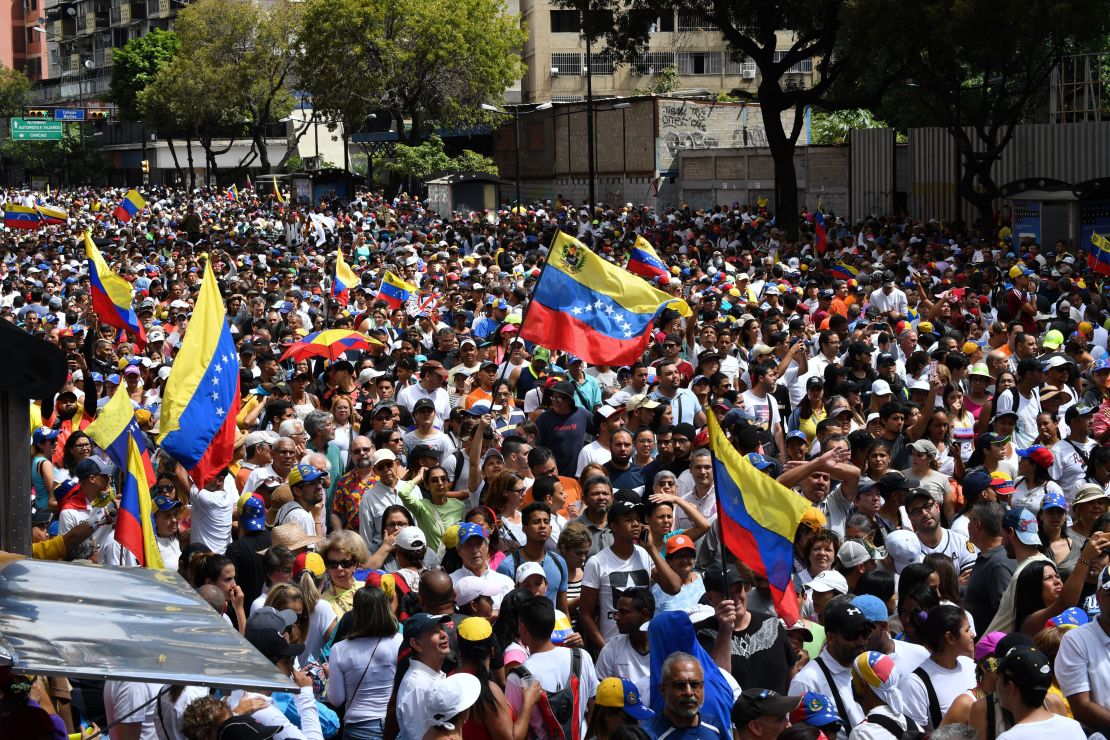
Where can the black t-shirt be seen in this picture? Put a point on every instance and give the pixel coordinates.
(761, 654)
(565, 436)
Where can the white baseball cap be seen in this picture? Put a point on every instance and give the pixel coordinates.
(471, 587)
(451, 696)
(880, 388)
(903, 547)
(529, 569)
(411, 539)
(381, 456)
(829, 580)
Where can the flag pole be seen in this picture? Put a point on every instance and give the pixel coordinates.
(528, 304)
(717, 498)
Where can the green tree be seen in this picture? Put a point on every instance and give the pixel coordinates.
(979, 68)
(15, 92)
(251, 49)
(428, 63)
(834, 127)
(428, 158)
(834, 37)
(665, 81)
(73, 159)
(134, 66)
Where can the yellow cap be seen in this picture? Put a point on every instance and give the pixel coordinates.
(814, 518)
(450, 537)
(970, 347)
(474, 629)
(925, 327)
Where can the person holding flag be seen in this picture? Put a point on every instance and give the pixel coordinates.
(111, 294)
(345, 279)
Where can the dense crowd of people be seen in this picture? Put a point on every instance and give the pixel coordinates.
(458, 534)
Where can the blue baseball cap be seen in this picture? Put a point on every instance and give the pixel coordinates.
(1024, 523)
(304, 474)
(44, 433)
(478, 409)
(165, 503)
(113, 379)
(1054, 500)
(759, 461)
(620, 693)
(796, 434)
(471, 529)
(872, 607)
(815, 709)
(253, 515)
(1100, 365)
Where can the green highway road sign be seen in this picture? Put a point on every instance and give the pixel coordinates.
(36, 130)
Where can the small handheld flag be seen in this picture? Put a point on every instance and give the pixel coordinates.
(395, 291)
(111, 294)
(345, 279)
(131, 204)
(277, 192)
(233, 193)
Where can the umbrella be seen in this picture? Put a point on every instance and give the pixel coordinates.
(330, 343)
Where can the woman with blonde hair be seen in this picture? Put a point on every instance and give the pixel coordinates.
(343, 553)
(315, 618)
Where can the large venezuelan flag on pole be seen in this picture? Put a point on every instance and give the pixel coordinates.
(844, 271)
(345, 279)
(117, 432)
(51, 216)
(395, 291)
(201, 399)
(643, 261)
(111, 294)
(592, 308)
(131, 204)
(758, 518)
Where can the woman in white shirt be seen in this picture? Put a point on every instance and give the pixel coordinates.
(315, 617)
(1033, 466)
(929, 691)
(363, 665)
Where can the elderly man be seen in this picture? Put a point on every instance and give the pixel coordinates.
(683, 687)
(285, 456)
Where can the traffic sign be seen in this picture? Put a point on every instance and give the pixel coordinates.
(69, 114)
(36, 130)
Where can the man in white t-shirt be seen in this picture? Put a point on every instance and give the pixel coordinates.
(550, 665)
(124, 703)
(211, 509)
(1082, 667)
(759, 402)
(924, 513)
(627, 655)
(621, 566)
(473, 548)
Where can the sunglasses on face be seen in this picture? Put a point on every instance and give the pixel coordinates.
(345, 564)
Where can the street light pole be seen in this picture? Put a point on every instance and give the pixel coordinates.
(590, 126)
(516, 141)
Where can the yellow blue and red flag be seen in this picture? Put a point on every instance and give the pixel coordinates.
(592, 308)
(111, 294)
(820, 236)
(201, 399)
(51, 216)
(1098, 254)
(277, 192)
(131, 204)
(758, 517)
(233, 193)
(20, 217)
(345, 279)
(116, 431)
(643, 261)
(844, 271)
(395, 291)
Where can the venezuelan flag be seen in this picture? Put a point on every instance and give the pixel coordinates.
(51, 216)
(111, 294)
(201, 400)
(1098, 254)
(643, 261)
(844, 271)
(20, 217)
(345, 279)
(116, 430)
(591, 308)
(820, 236)
(277, 193)
(131, 204)
(395, 291)
(233, 193)
(758, 517)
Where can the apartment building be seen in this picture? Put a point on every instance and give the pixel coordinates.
(556, 57)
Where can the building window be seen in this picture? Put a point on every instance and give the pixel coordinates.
(602, 64)
(566, 63)
(734, 67)
(567, 98)
(653, 62)
(694, 22)
(565, 21)
(699, 62)
(803, 67)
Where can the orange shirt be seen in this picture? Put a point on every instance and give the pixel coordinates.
(478, 396)
(571, 488)
(838, 307)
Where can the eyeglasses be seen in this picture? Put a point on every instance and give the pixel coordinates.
(361, 450)
(518, 490)
(167, 488)
(345, 564)
(915, 511)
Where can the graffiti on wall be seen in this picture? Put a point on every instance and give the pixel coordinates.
(691, 125)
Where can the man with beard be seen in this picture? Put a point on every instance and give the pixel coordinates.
(683, 689)
(847, 632)
(622, 471)
(353, 485)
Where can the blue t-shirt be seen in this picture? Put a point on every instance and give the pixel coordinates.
(554, 569)
(660, 727)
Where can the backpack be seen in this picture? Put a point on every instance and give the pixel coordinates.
(912, 731)
(561, 710)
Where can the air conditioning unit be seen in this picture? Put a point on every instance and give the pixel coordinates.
(748, 74)
(585, 70)
(554, 71)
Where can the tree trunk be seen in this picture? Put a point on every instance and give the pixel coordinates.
(192, 169)
(260, 145)
(977, 171)
(786, 179)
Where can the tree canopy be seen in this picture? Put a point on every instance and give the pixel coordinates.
(135, 65)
